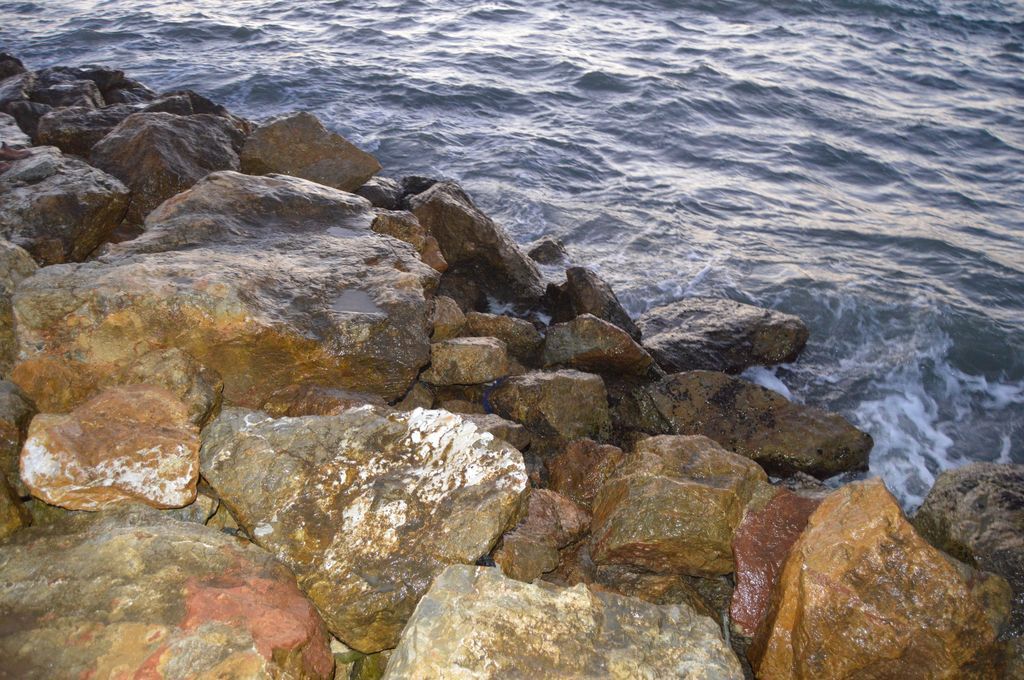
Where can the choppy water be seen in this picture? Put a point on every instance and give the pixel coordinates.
(857, 162)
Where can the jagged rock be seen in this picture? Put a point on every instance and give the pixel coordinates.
(316, 400)
(467, 361)
(60, 87)
(563, 404)
(474, 622)
(11, 134)
(720, 335)
(862, 595)
(592, 344)
(382, 192)
(584, 292)
(976, 514)
(366, 508)
(147, 596)
(447, 319)
(673, 506)
(531, 549)
(77, 129)
(413, 185)
(404, 226)
(298, 144)
(581, 469)
(15, 265)
(16, 412)
(519, 335)
(127, 443)
(58, 208)
(781, 436)
(13, 515)
(269, 281)
(547, 250)
(506, 430)
(158, 155)
(471, 242)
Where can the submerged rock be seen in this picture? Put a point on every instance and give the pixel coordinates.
(551, 522)
(15, 265)
(366, 508)
(584, 292)
(467, 361)
(476, 623)
(563, 404)
(592, 344)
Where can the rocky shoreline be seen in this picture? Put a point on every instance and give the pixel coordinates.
(267, 413)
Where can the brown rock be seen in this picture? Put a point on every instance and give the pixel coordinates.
(581, 469)
(467, 361)
(15, 265)
(591, 344)
(519, 335)
(862, 595)
(584, 292)
(447, 319)
(563, 404)
(13, 515)
(506, 430)
(75, 130)
(382, 192)
(547, 250)
(16, 412)
(551, 522)
(418, 396)
(127, 443)
(201, 389)
(404, 226)
(316, 400)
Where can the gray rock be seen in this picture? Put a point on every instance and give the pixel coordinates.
(547, 250)
(382, 192)
(77, 129)
(11, 134)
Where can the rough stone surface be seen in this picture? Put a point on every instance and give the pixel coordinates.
(382, 192)
(366, 508)
(475, 623)
(672, 507)
(506, 430)
(584, 292)
(592, 344)
(127, 443)
(15, 265)
(404, 226)
(976, 514)
(58, 208)
(552, 522)
(11, 134)
(467, 361)
(316, 400)
(581, 469)
(714, 334)
(519, 335)
(150, 597)
(13, 515)
(862, 595)
(201, 389)
(298, 144)
(75, 130)
(563, 404)
(269, 281)
(158, 155)
(447, 319)
(16, 412)
(547, 250)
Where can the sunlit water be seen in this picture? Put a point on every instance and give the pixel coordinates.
(858, 163)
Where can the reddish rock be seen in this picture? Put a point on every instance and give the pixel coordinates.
(581, 469)
(531, 549)
(316, 400)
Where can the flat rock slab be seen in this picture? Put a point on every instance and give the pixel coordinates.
(366, 507)
(475, 623)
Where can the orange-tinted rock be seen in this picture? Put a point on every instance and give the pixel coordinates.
(760, 546)
(128, 443)
(316, 400)
(581, 469)
(467, 361)
(519, 335)
(531, 549)
(446, 319)
(861, 595)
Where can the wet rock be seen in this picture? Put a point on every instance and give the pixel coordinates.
(128, 443)
(10, 65)
(976, 514)
(472, 243)
(591, 344)
(298, 144)
(189, 103)
(760, 547)
(547, 250)
(366, 508)
(58, 208)
(60, 87)
(199, 388)
(404, 226)
(506, 430)
(269, 281)
(465, 289)
(13, 515)
(15, 266)
(781, 436)
(584, 292)
(531, 549)
(413, 185)
(447, 319)
(463, 626)
(673, 506)
(148, 596)
(158, 155)
(16, 412)
(316, 400)
(563, 404)
(581, 469)
(11, 134)
(467, 361)
(862, 595)
(75, 130)
(720, 335)
(113, 86)
(519, 335)
(382, 192)
(26, 113)
(418, 396)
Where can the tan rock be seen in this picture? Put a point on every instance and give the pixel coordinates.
(316, 400)
(562, 404)
(584, 292)
(447, 319)
(519, 335)
(506, 430)
(13, 515)
(531, 549)
(592, 344)
(15, 265)
(404, 226)
(467, 361)
(581, 469)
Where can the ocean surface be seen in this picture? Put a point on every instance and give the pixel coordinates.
(859, 163)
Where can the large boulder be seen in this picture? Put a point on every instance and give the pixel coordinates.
(976, 514)
(592, 344)
(126, 444)
(562, 405)
(270, 281)
(584, 292)
(476, 623)
(713, 334)
(16, 412)
(298, 144)
(673, 506)
(782, 436)
(144, 596)
(59, 208)
(15, 265)
(158, 155)
(862, 595)
(467, 361)
(76, 129)
(366, 508)
(552, 522)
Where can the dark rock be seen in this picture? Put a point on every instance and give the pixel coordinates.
(584, 292)
(10, 65)
(382, 192)
(77, 129)
(27, 114)
(10, 134)
(581, 469)
(60, 87)
(415, 184)
(16, 412)
(189, 103)
(547, 250)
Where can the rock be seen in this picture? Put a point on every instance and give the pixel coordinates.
(15, 265)
(591, 344)
(189, 103)
(13, 515)
(404, 226)
(75, 130)
(10, 65)
(519, 335)
(531, 549)
(760, 547)
(547, 250)
(26, 113)
(447, 319)
(563, 404)
(128, 443)
(112, 84)
(11, 134)
(366, 508)
(269, 281)
(382, 192)
(16, 412)
(862, 595)
(581, 469)
(976, 514)
(506, 430)
(472, 243)
(467, 361)
(316, 400)
(476, 623)
(413, 185)
(153, 597)
(418, 396)
(298, 144)
(781, 436)
(720, 335)
(158, 155)
(370, 666)
(672, 507)
(465, 289)
(201, 389)
(60, 87)
(58, 208)
(200, 511)
(584, 292)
